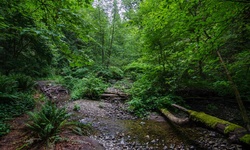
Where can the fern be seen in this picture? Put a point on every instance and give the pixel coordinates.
(90, 87)
(47, 123)
(23, 82)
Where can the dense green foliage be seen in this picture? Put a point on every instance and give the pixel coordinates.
(180, 44)
(15, 98)
(167, 49)
(89, 87)
(47, 123)
(13, 109)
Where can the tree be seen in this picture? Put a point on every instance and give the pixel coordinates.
(181, 40)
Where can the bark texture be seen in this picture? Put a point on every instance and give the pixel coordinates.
(174, 119)
(235, 132)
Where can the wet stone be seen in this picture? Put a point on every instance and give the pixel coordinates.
(165, 147)
(114, 136)
(153, 141)
(192, 147)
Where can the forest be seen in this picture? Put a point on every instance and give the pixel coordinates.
(158, 52)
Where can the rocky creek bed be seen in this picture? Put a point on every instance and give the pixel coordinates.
(118, 129)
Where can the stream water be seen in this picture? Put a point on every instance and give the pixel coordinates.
(138, 134)
(116, 133)
(117, 129)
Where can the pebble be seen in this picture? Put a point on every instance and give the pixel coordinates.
(142, 123)
(153, 141)
(165, 147)
(117, 140)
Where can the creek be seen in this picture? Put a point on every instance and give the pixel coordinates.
(116, 129)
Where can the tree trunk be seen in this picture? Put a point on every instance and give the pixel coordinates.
(235, 132)
(174, 119)
(237, 95)
(112, 33)
(102, 34)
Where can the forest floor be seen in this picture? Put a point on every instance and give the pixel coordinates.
(116, 128)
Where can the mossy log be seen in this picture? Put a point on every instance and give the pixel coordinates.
(174, 119)
(235, 132)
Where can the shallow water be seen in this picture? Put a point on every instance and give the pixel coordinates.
(138, 133)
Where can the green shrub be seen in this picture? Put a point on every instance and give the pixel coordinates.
(4, 128)
(24, 82)
(141, 88)
(8, 87)
(222, 87)
(104, 73)
(69, 81)
(150, 92)
(76, 107)
(123, 85)
(137, 106)
(90, 87)
(13, 109)
(80, 72)
(116, 73)
(12, 86)
(58, 79)
(137, 67)
(77, 90)
(141, 107)
(109, 73)
(47, 123)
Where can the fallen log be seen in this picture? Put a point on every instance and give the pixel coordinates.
(109, 95)
(235, 132)
(174, 119)
(114, 95)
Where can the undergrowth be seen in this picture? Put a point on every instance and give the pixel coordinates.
(150, 92)
(14, 109)
(47, 124)
(88, 87)
(15, 98)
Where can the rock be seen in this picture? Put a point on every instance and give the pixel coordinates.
(142, 123)
(212, 134)
(106, 138)
(165, 147)
(84, 121)
(122, 141)
(172, 146)
(211, 142)
(122, 135)
(153, 141)
(238, 147)
(192, 147)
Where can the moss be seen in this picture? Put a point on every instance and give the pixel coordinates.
(165, 111)
(212, 121)
(231, 127)
(245, 139)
